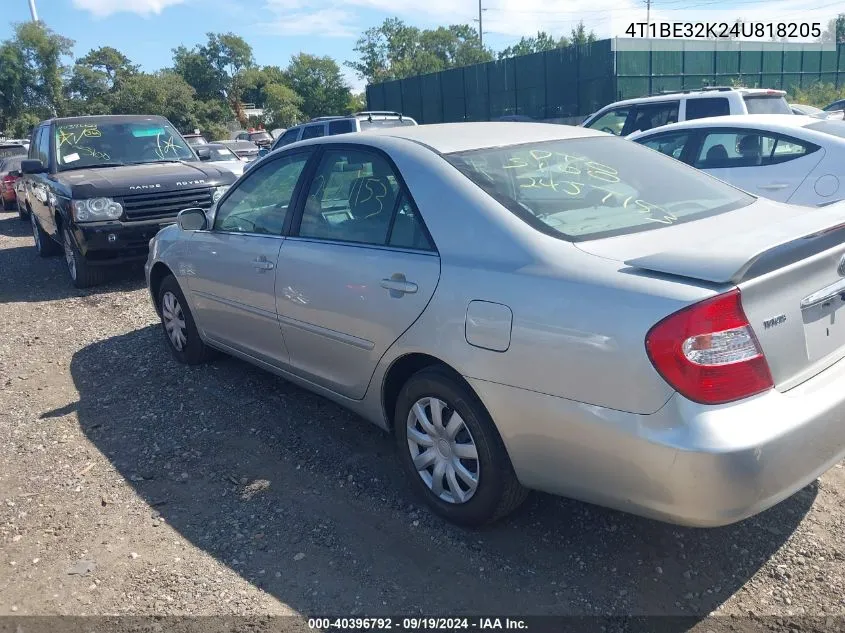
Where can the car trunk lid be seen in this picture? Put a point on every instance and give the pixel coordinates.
(788, 262)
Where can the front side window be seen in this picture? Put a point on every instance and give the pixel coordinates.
(612, 122)
(260, 203)
(648, 117)
(351, 199)
(589, 188)
(81, 145)
(670, 144)
(727, 149)
(44, 146)
(703, 107)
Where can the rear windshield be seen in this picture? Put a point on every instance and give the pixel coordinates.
(366, 124)
(12, 150)
(767, 104)
(834, 127)
(589, 188)
(260, 136)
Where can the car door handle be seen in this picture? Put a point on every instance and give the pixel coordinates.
(262, 264)
(399, 285)
(774, 186)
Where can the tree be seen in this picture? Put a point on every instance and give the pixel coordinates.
(165, 93)
(93, 79)
(282, 106)
(580, 36)
(835, 31)
(317, 80)
(395, 50)
(357, 102)
(528, 45)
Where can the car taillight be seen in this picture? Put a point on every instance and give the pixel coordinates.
(708, 352)
(9, 182)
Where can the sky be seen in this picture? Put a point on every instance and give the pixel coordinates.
(147, 30)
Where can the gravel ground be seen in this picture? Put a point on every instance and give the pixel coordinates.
(132, 485)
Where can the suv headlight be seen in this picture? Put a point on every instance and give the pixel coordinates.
(96, 209)
(218, 192)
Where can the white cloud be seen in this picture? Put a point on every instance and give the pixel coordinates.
(105, 8)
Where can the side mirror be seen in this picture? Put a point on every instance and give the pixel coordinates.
(193, 219)
(203, 152)
(263, 152)
(15, 173)
(32, 166)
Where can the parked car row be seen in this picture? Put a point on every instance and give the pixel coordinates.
(522, 305)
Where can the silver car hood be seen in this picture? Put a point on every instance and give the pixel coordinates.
(723, 248)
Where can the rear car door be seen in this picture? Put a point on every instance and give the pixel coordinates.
(39, 188)
(763, 163)
(233, 266)
(358, 269)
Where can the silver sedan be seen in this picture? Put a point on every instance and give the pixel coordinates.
(530, 307)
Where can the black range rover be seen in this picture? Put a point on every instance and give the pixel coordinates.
(100, 187)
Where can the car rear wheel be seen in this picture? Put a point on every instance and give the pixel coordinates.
(183, 338)
(452, 452)
(82, 274)
(44, 244)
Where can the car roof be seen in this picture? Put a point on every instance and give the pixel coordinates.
(774, 122)
(672, 96)
(446, 138)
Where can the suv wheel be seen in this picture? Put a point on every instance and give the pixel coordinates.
(82, 274)
(452, 452)
(44, 244)
(183, 338)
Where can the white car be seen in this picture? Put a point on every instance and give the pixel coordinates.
(646, 113)
(223, 157)
(789, 158)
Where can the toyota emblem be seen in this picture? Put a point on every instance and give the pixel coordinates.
(841, 268)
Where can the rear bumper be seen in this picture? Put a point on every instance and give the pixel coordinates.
(687, 464)
(117, 242)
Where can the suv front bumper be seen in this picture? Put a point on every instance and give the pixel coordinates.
(117, 242)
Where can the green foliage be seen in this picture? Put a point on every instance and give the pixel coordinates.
(579, 35)
(528, 45)
(819, 95)
(835, 31)
(164, 93)
(357, 103)
(282, 105)
(317, 80)
(395, 50)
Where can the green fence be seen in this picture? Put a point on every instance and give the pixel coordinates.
(575, 81)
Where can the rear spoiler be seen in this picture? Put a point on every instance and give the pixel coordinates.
(740, 257)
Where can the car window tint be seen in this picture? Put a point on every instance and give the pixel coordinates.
(351, 198)
(313, 131)
(705, 107)
(341, 126)
(289, 137)
(648, 117)
(748, 148)
(33, 144)
(611, 122)
(260, 202)
(669, 144)
(44, 146)
(766, 105)
(408, 230)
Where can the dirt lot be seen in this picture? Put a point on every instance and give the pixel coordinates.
(132, 485)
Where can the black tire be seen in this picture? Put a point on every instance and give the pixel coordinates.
(44, 244)
(82, 273)
(9, 206)
(498, 491)
(23, 214)
(194, 351)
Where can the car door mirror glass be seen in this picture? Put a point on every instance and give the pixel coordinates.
(32, 166)
(193, 219)
(203, 152)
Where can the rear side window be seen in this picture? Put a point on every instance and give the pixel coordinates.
(711, 106)
(590, 188)
(342, 126)
(670, 144)
(726, 149)
(612, 122)
(766, 105)
(313, 131)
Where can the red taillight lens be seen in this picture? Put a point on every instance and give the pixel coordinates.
(708, 352)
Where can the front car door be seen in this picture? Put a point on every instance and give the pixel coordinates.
(763, 163)
(647, 116)
(233, 266)
(358, 269)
